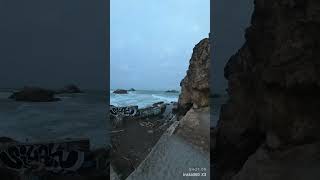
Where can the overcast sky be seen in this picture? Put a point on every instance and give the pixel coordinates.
(230, 20)
(50, 43)
(152, 41)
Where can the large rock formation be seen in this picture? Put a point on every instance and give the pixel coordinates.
(195, 86)
(120, 91)
(190, 135)
(269, 129)
(34, 94)
(193, 105)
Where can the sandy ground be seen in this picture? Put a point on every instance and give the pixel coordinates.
(132, 142)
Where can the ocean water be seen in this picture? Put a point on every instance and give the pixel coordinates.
(75, 116)
(142, 98)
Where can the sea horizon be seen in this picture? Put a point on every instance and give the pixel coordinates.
(147, 89)
(143, 98)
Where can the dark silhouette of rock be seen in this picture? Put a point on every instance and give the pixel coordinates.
(158, 104)
(34, 94)
(120, 91)
(172, 91)
(269, 129)
(69, 89)
(131, 89)
(6, 140)
(195, 86)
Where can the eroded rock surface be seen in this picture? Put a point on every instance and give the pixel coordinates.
(193, 106)
(195, 86)
(274, 85)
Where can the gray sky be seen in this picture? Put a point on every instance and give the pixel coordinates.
(231, 18)
(51, 43)
(152, 41)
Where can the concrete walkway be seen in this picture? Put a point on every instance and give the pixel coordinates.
(170, 158)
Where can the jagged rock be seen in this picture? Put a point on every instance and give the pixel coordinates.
(195, 86)
(193, 104)
(274, 85)
(34, 94)
(120, 91)
(158, 104)
(69, 89)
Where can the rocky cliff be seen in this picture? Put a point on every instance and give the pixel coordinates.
(269, 129)
(193, 104)
(195, 86)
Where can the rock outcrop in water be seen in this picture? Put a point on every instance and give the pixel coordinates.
(195, 86)
(120, 91)
(34, 94)
(269, 129)
(172, 91)
(69, 89)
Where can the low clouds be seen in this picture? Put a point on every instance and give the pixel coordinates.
(53, 43)
(155, 39)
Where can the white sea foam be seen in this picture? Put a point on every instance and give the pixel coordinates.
(166, 98)
(142, 98)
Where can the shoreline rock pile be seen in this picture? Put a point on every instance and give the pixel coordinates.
(120, 91)
(37, 94)
(34, 94)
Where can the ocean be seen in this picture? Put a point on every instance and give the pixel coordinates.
(142, 98)
(75, 116)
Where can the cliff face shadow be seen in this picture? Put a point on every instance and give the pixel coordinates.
(270, 121)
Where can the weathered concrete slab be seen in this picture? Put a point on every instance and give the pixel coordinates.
(171, 158)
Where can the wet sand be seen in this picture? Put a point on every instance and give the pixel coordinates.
(132, 142)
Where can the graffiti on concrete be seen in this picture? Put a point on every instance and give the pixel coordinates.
(52, 157)
(118, 114)
(123, 111)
